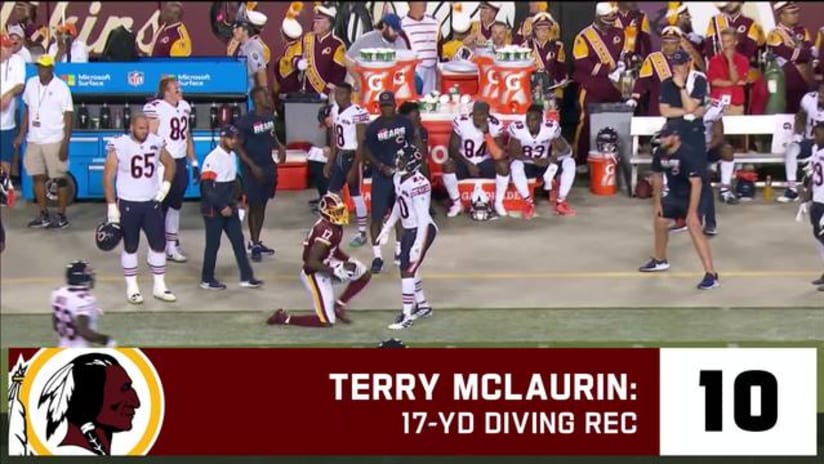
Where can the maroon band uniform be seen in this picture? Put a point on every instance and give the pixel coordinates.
(637, 38)
(794, 49)
(326, 61)
(750, 35)
(550, 56)
(172, 41)
(596, 55)
(286, 72)
(654, 71)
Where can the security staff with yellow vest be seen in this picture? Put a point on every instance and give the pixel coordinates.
(220, 211)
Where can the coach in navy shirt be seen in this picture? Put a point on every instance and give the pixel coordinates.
(682, 102)
(258, 168)
(384, 137)
(685, 172)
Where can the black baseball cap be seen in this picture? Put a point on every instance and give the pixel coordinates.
(386, 98)
(667, 130)
(229, 131)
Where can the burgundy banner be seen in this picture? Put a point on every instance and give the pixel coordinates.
(394, 402)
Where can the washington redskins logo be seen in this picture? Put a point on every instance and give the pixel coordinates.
(742, 29)
(103, 402)
(616, 40)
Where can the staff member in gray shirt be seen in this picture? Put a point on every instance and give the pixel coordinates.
(388, 33)
(220, 211)
(247, 32)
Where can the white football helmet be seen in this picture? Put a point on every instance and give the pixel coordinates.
(480, 207)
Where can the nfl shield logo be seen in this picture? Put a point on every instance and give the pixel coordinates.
(135, 78)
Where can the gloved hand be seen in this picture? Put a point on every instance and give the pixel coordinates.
(415, 252)
(195, 172)
(163, 191)
(803, 210)
(340, 272)
(383, 237)
(615, 76)
(631, 103)
(302, 64)
(113, 213)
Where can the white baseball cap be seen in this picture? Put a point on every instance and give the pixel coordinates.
(605, 8)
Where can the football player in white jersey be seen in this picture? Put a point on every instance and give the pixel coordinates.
(475, 152)
(345, 162)
(814, 195)
(169, 118)
(810, 114)
(75, 311)
(413, 194)
(718, 150)
(536, 148)
(135, 202)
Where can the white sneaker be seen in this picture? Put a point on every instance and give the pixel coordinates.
(176, 256)
(402, 322)
(133, 296)
(455, 209)
(164, 294)
(500, 210)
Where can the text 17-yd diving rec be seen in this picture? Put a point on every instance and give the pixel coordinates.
(499, 389)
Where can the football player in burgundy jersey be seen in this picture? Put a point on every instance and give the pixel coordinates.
(325, 264)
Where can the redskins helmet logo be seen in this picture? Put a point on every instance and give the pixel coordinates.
(105, 402)
(326, 51)
(742, 29)
(616, 40)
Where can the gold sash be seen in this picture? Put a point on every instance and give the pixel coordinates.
(599, 46)
(662, 68)
(805, 69)
(315, 80)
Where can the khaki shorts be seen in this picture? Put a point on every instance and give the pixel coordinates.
(44, 159)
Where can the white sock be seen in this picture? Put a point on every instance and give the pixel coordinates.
(128, 261)
(376, 251)
(360, 213)
(791, 164)
(172, 227)
(821, 250)
(420, 297)
(519, 179)
(727, 170)
(567, 178)
(157, 264)
(408, 295)
(450, 181)
(501, 183)
(397, 248)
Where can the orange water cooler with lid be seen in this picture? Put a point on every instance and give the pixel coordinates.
(403, 80)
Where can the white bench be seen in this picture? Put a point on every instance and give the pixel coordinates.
(780, 126)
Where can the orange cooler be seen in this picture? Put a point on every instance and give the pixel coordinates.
(373, 81)
(514, 96)
(467, 82)
(403, 82)
(602, 178)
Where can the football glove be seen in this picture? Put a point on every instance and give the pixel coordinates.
(340, 272)
(383, 237)
(415, 253)
(163, 191)
(113, 213)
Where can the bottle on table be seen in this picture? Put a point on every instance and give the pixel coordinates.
(193, 117)
(769, 192)
(127, 117)
(83, 116)
(105, 117)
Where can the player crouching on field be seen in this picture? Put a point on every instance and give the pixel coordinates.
(475, 152)
(813, 195)
(324, 264)
(536, 148)
(684, 169)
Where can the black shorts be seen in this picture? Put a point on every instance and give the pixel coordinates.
(408, 240)
(675, 207)
(816, 211)
(180, 182)
(533, 171)
(383, 196)
(146, 216)
(340, 168)
(259, 193)
(487, 168)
